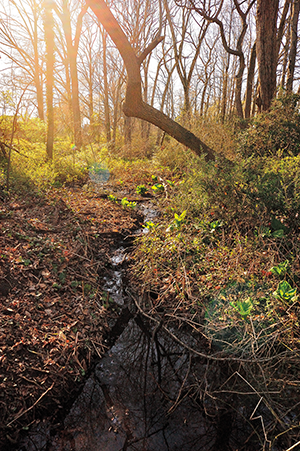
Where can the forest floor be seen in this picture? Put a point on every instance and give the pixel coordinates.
(54, 317)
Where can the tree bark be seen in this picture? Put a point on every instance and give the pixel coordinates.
(134, 105)
(72, 50)
(49, 39)
(37, 69)
(266, 49)
(106, 94)
(250, 79)
(293, 48)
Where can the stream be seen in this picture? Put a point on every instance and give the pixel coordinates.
(137, 396)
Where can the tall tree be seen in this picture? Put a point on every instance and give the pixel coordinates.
(20, 41)
(105, 85)
(293, 46)
(49, 39)
(268, 40)
(210, 16)
(185, 66)
(72, 44)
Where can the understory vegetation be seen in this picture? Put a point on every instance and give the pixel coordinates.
(222, 259)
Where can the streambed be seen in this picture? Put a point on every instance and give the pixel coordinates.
(138, 396)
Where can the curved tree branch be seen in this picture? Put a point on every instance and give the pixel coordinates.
(134, 105)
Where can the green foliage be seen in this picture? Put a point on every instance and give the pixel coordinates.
(112, 198)
(141, 189)
(127, 204)
(179, 219)
(30, 130)
(149, 225)
(170, 182)
(285, 292)
(214, 225)
(272, 184)
(277, 131)
(158, 187)
(281, 269)
(243, 307)
(30, 166)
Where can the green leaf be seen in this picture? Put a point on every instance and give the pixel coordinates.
(278, 233)
(281, 269)
(243, 307)
(285, 291)
(277, 225)
(183, 215)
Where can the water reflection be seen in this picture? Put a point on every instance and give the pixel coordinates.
(127, 403)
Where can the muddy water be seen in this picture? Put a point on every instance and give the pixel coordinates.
(137, 396)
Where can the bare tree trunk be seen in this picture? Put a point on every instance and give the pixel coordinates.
(268, 39)
(37, 69)
(105, 83)
(225, 89)
(250, 79)
(293, 47)
(72, 49)
(116, 98)
(285, 59)
(127, 130)
(134, 105)
(49, 39)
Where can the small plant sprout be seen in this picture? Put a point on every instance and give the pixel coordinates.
(141, 189)
(285, 292)
(170, 182)
(112, 198)
(177, 221)
(215, 225)
(127, 204)
(158, 187)
(281, 269)
(154, 178)
(149, 225)
(243, 307)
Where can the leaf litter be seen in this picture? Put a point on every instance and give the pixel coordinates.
(53, 314)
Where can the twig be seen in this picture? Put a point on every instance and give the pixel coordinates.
(181, 388)
(31, 407)
(293, 447)
(14, 149)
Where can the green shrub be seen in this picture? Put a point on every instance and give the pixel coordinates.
(273, 184)
(275, 131)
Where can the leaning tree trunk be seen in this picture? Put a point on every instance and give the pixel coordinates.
(134, 105)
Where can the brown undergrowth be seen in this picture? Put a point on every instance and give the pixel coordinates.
(54, 316)
(232, 288)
